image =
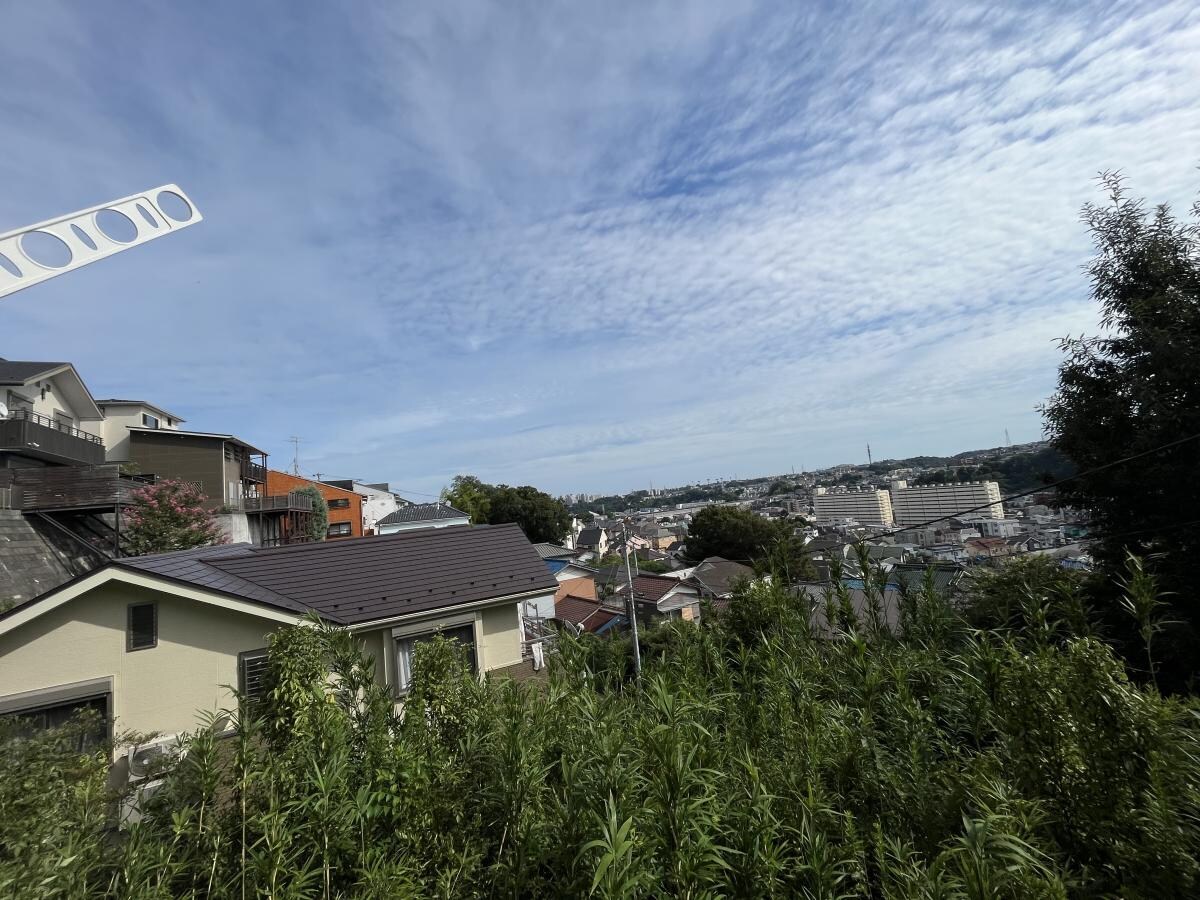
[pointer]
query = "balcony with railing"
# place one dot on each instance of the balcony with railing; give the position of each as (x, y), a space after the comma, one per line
(293, 502)
(64, 488)
(253, 471)
(41, 437)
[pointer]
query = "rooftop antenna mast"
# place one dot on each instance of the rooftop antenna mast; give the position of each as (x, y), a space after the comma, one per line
(295, 442)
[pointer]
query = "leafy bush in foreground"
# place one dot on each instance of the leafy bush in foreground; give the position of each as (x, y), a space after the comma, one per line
(755, 759)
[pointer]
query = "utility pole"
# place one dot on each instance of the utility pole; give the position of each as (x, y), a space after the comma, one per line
(632, 607)
(295, 442)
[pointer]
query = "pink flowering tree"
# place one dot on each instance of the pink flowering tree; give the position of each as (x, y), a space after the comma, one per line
(169, 515)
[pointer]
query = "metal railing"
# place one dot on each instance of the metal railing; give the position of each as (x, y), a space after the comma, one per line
(293, 501)
(28, 415)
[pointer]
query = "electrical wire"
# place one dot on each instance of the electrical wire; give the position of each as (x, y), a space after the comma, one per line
(1039, 489)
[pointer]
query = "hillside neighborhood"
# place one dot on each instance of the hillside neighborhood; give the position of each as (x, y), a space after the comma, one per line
(72, 466)
(618, 451)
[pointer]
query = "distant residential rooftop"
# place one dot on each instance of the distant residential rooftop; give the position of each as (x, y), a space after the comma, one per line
(423, 512)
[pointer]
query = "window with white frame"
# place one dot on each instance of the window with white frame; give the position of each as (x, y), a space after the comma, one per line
(463, 635)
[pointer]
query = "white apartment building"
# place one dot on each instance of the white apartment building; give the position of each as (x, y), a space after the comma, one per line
(864, 507)
(927, 502)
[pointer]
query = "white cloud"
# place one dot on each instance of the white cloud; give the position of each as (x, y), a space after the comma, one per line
(587, 246)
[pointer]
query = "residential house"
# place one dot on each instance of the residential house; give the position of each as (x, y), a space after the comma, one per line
(717, 577)
(557, 558)
(593, 538)
(122, 415)
(151, 641)
(422, 515)
(659, 596)
(224, 467)
(47, 417)
(378, 501)
(345, 506)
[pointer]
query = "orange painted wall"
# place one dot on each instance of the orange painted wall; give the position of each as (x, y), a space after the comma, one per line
(285, 483)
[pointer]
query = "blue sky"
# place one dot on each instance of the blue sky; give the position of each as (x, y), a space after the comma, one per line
(587, 246)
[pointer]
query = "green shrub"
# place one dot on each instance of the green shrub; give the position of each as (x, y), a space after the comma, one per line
(759, 756)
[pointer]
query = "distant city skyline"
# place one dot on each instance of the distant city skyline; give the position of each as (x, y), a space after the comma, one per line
(588, 247)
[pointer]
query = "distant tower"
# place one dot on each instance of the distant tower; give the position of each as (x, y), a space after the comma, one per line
(870, 462)
(1007, 439)
(295, 442)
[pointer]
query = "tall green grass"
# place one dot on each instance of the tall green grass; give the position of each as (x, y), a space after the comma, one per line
(767, 752)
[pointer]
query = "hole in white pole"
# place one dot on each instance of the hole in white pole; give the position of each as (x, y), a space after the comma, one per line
(147, 216)
(9, 266)
(45, 249)
(116, 225)
(84, 237)
(173, 206)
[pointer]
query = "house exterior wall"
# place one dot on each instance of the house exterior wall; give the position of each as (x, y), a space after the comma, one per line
(118, 419)
(376, 504)
(184, 457)
(163, 689)
(279, 483)
(160, 689)
(47, 403)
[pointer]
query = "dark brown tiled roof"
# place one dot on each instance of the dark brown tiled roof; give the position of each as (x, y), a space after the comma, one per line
(588, 615)
(365, 579)
(653, 587)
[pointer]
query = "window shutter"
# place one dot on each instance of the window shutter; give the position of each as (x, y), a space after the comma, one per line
(143, 626)
(252, 675)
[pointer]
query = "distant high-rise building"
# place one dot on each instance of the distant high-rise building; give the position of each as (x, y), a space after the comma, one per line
(865, 507)
(913, 505)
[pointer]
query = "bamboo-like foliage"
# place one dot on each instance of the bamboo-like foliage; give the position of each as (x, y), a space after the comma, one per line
(774, 750)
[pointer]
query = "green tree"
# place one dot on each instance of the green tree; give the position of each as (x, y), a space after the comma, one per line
(166, 516)
(541, 517)
(472, 496)
(731, 532)
(1133, 389)
(318, 523)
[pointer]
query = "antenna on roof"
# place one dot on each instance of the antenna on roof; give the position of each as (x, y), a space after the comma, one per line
(295, 442)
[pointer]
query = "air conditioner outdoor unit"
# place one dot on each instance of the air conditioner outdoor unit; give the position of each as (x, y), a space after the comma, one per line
(147, 763)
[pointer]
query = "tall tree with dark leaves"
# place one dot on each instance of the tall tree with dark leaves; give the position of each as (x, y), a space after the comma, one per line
(1134, 388)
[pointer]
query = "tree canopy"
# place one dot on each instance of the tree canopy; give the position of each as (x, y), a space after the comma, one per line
(541, 517)
(729, 531)
(166, 516)
(1134, 389)
(318, 523)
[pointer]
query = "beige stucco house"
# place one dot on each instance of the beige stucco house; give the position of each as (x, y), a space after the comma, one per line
(153, 641)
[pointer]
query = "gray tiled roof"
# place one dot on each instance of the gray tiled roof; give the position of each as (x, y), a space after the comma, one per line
(588, 537)
(719, 575)
(553, 551)
(423, 512)
(19, 371)
(366, 579)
